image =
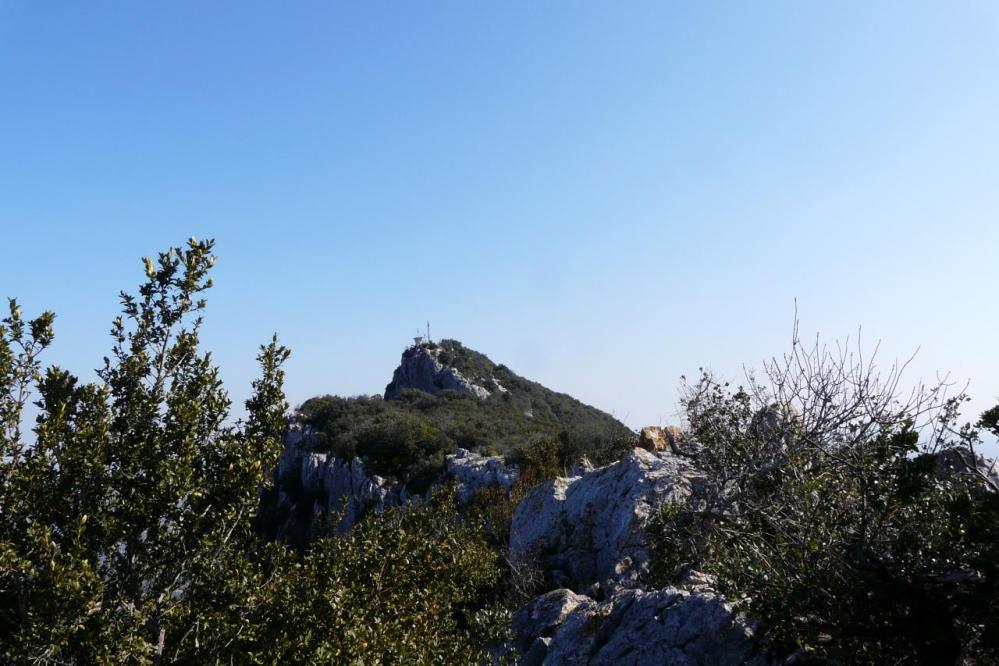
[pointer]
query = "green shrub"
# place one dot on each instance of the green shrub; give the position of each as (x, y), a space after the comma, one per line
(821, 505)
(405, 586)
(127, 531)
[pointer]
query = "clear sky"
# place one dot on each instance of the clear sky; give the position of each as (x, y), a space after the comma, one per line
(603, 196)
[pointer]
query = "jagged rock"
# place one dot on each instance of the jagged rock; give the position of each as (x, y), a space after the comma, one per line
(334, 487)
(536, 623)
(348, 489)
(422, 369)
(581, 467)
(473, 471)
(591, 529)
(981, 471)
(634, 627)
(654, 438)
(295, 437)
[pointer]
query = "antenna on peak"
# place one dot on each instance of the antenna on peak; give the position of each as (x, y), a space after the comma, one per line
(422, 336)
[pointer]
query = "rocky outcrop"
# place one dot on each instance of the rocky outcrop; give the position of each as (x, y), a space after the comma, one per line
(588, 535)
(654, 438)
(339, 489)
(976, 468)
(296, 440)
(344, 491)
(588, 532)
(473, 471)
(336, 489)
(634, 627)
(422, 369)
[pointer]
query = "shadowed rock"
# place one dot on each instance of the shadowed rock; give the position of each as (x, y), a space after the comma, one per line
(636, 628)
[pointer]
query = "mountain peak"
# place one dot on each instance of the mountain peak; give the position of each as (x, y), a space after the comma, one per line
(449, 366)
(446, 366)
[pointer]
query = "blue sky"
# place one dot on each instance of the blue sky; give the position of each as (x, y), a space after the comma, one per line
(603, 196)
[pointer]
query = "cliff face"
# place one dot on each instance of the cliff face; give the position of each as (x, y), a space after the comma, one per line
(314, 485)
(588, 532)
(422, 368)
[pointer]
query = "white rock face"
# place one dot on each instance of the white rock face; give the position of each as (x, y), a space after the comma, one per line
(422, 369)
(294, 439)
(340, 487)
(473, 471)
(337, 487)
(347, 489)
(634, 627)
(591, 529)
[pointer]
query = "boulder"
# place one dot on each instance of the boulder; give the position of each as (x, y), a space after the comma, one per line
(654, 438)
(635, 627)
(590, 530)
(473, 471)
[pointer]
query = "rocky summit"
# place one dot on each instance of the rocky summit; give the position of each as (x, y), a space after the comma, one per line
(423, 369)
(584, 534)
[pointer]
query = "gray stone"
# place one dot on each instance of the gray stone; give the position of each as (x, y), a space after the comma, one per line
(335, 487)
(635, 627)
(473, 471)
(591, 529)
(422, 369)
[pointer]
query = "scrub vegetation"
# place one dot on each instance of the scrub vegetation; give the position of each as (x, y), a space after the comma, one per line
(858, 526)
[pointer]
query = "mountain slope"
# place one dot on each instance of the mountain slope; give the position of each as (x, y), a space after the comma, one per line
(446, 396)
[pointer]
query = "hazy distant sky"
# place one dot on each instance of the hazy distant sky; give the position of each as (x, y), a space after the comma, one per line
(603, 196)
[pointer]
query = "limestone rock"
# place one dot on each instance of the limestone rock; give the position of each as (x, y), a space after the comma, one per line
(332, 487)
(634, 627)
(295, 438)
(581, 467)
(422, 369)
(348, 490)
(653, 438)
(473, 471)
(981, 471)
(590, 529)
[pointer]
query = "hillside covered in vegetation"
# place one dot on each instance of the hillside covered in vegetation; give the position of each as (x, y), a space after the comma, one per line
(818, 516)
(407, 436)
